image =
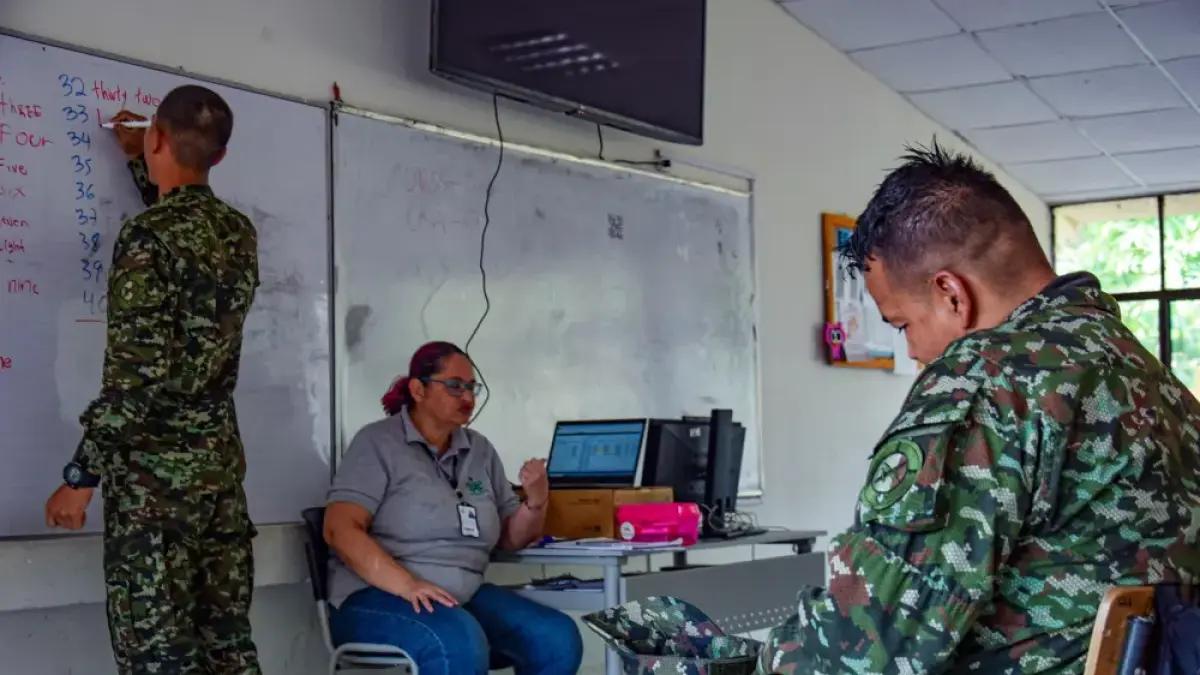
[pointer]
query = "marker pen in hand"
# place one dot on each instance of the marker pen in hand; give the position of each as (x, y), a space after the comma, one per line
(130, 124)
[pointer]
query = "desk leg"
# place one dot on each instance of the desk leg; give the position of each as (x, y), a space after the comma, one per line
(612, 598)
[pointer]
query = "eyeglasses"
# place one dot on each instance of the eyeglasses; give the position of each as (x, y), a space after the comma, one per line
(456, 387)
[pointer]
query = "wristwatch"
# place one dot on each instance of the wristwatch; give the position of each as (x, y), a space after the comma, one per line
(75, 476)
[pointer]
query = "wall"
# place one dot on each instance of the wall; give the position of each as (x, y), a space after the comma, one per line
(815, 132)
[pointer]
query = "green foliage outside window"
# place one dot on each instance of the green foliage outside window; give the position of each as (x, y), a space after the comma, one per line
(1119, 243)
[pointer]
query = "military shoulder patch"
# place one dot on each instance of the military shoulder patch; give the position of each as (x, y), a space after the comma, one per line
(904, 488)
(893, 472)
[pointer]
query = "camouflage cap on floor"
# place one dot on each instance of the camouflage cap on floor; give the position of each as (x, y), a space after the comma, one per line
(668, 635)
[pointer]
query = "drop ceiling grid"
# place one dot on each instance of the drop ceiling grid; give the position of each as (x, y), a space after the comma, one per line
(1090, 89)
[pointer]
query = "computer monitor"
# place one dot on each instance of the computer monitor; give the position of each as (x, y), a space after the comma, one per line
(701, 459)
(725, 441)
(676, 456)
(596, 453)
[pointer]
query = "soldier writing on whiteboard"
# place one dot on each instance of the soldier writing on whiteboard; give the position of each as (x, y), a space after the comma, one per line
(163, 435)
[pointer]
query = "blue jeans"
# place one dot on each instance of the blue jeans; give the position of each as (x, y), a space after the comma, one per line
(496, 627)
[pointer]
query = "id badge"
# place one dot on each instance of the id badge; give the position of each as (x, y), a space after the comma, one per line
(468, 523)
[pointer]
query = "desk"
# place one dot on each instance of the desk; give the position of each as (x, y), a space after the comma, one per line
(740, 597)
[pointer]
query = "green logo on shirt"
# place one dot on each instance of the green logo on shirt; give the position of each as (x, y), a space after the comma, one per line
(892, 473)
(474, 487)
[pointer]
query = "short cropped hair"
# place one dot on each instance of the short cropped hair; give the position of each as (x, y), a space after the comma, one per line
(937, 210)
(198, 122)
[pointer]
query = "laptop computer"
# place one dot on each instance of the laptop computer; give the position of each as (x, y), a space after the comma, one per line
(596, 453)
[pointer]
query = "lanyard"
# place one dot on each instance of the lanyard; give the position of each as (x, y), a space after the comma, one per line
(451, 478)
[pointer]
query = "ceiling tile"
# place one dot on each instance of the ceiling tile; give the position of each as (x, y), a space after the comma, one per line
(1070, 175)
(1073, 44)
(976, 15)
(1165, 166)
(1031, 142)
(872, 23)
(1108, 92)
(1168, 29)
(940, 63)
(1187, 73)
(989, 105)
(1159, 130)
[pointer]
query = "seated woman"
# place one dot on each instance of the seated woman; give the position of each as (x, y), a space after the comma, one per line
(417, 506)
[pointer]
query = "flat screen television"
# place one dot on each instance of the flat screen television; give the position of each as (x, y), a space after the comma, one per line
(637, 65)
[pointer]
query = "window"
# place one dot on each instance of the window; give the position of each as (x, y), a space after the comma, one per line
(1146, 253)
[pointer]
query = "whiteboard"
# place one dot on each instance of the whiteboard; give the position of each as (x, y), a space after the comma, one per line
(62, 202)
(615, 294)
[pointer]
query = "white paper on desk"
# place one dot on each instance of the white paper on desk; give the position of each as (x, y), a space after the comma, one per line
(600, 544)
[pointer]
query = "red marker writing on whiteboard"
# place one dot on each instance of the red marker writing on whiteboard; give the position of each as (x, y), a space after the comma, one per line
(128, 124)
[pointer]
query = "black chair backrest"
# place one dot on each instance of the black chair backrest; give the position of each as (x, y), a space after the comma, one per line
(316, 551)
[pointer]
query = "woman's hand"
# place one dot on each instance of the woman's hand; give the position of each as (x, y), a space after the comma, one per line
(536, 484)
(424, 594)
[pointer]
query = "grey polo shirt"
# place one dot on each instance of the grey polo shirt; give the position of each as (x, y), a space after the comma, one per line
(391, 471)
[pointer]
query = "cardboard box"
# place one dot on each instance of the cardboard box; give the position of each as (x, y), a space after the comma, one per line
(582, 513)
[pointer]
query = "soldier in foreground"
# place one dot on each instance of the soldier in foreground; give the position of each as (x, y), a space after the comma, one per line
(1042, 456)
(163, 435)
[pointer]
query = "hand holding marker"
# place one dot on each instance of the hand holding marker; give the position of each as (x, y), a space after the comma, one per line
(130, 129)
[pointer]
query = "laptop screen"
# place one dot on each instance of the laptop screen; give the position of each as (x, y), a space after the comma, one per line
(596, 452)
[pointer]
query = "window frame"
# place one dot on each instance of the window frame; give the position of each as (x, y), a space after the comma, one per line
(1163, 295)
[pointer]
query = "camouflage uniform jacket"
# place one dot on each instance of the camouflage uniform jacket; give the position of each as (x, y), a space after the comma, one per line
(182, 279)
(1033, 466)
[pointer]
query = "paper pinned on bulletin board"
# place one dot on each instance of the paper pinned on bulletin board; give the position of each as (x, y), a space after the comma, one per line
(904, 364)
(856, 335)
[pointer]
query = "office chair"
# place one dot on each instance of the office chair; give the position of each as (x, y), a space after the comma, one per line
(360, 655)
(1108, 634)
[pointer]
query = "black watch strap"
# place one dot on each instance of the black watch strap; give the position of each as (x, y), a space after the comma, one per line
(75, 476)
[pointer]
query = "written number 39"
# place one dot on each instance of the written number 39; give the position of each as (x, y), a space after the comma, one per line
(92, 269)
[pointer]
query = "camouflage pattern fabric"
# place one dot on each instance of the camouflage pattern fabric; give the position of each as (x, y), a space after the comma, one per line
(163, 436)
(667, 635)
(179, 575)
(141, 180)
(1032, 467)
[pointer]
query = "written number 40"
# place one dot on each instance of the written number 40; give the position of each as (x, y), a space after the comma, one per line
(95, 304)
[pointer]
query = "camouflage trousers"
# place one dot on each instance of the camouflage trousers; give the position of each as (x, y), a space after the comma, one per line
(179, 574)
